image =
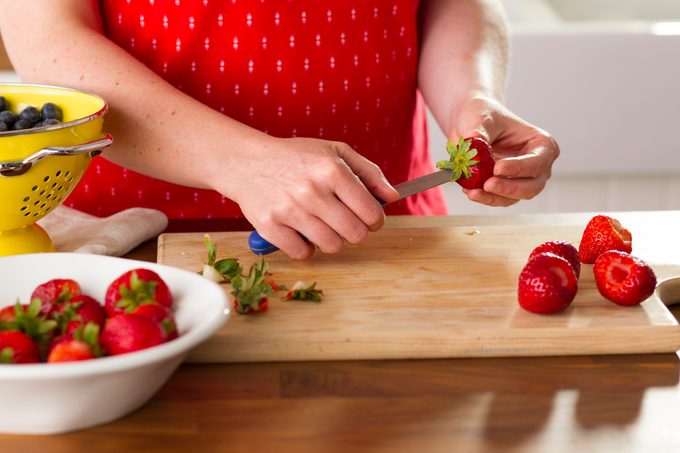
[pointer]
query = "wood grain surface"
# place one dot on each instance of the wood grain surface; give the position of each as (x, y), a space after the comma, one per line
(426, 292)
(617, 403)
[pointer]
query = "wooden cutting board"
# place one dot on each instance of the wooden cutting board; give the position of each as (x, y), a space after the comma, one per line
(426, 293)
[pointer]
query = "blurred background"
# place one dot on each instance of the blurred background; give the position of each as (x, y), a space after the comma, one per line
(603, 77)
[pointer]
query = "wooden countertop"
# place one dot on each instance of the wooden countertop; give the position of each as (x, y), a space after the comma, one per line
(588, 403)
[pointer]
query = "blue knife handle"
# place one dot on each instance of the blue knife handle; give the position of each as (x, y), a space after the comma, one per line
(260, 246)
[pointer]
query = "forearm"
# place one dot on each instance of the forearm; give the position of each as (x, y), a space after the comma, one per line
(463, 54)
(158, 130)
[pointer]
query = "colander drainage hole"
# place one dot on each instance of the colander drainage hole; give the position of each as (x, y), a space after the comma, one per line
(34, 188)
(26, 199)
(58, 173)
(46, 178)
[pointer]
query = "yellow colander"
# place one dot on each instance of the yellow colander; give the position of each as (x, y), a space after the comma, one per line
(40, 167)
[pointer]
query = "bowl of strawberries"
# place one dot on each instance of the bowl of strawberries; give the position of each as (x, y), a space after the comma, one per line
(86, 339)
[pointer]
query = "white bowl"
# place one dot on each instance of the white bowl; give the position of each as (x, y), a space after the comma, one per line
(60, 397)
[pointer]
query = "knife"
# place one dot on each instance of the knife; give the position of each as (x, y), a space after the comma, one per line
(260, 246)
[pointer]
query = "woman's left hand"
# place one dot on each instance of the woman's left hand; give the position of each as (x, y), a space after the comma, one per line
(524, 153)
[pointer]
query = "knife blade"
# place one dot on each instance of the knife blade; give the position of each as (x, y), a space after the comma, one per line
(260, 246)
(420, 184)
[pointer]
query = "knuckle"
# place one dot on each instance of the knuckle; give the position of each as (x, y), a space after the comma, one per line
(332, 245)
(375, 216)
(357, 235)
(305, 189)
(300, 253)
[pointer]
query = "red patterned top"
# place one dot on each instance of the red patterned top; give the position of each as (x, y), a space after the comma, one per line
(341, 71)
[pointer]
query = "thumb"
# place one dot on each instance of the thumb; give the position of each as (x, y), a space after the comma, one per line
(369, 174)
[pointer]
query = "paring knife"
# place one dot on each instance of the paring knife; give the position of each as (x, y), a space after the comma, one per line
(260, 246)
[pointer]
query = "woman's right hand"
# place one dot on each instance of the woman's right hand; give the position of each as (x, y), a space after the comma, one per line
(322, 190)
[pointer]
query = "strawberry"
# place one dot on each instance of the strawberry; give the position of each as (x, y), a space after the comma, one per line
(17, 347)
(55, 292)
(27, 319)
(623, 278)
(81, 344)
(547, 284)
(8, 313)
(79, 311)
(136, 287)
(161, 315)
(601, 234)
(250, 292)
(128, 333)
(471, 161)
(563, 249)
(302, 291)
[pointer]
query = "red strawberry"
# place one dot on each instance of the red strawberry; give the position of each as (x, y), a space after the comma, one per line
(79, 311)
(27, 319)
(161, 315)
(601, 234)
(547, 284)
(471, 160)
(622, 278)
(8, 313)
(136, 287)
(563, 249)
(128, 333)
(17, 347)
(81, 344)
(55, 292)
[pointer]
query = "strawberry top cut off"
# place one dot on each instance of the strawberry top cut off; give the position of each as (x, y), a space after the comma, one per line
(602, 234)
(623, 278)
(471, 162)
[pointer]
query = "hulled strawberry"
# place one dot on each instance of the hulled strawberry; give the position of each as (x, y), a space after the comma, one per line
(623, 278)
(128, 333)
(81, 344)
(547, 284)
(471, 161)
(603, 233)
(79, 311)
(54, 293)
(17, 347)
(136, 287)
(563, 249)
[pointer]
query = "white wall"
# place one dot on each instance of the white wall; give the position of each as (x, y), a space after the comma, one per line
(610, 94)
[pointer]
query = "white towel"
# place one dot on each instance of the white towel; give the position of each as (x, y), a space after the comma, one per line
(76, 231)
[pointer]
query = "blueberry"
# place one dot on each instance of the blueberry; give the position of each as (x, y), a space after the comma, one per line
(23, 124)
(50, 122)
(3, 126)
(3, 104)
(31, 114)
(51, 111)
(8, 117)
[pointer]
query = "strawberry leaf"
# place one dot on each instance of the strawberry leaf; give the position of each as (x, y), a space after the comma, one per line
(251, 291)
(212, 249)
(301, 292)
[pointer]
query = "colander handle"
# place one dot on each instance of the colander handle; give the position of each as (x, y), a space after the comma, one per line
(92, 148)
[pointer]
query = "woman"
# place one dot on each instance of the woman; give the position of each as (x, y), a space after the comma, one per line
(294, 114)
